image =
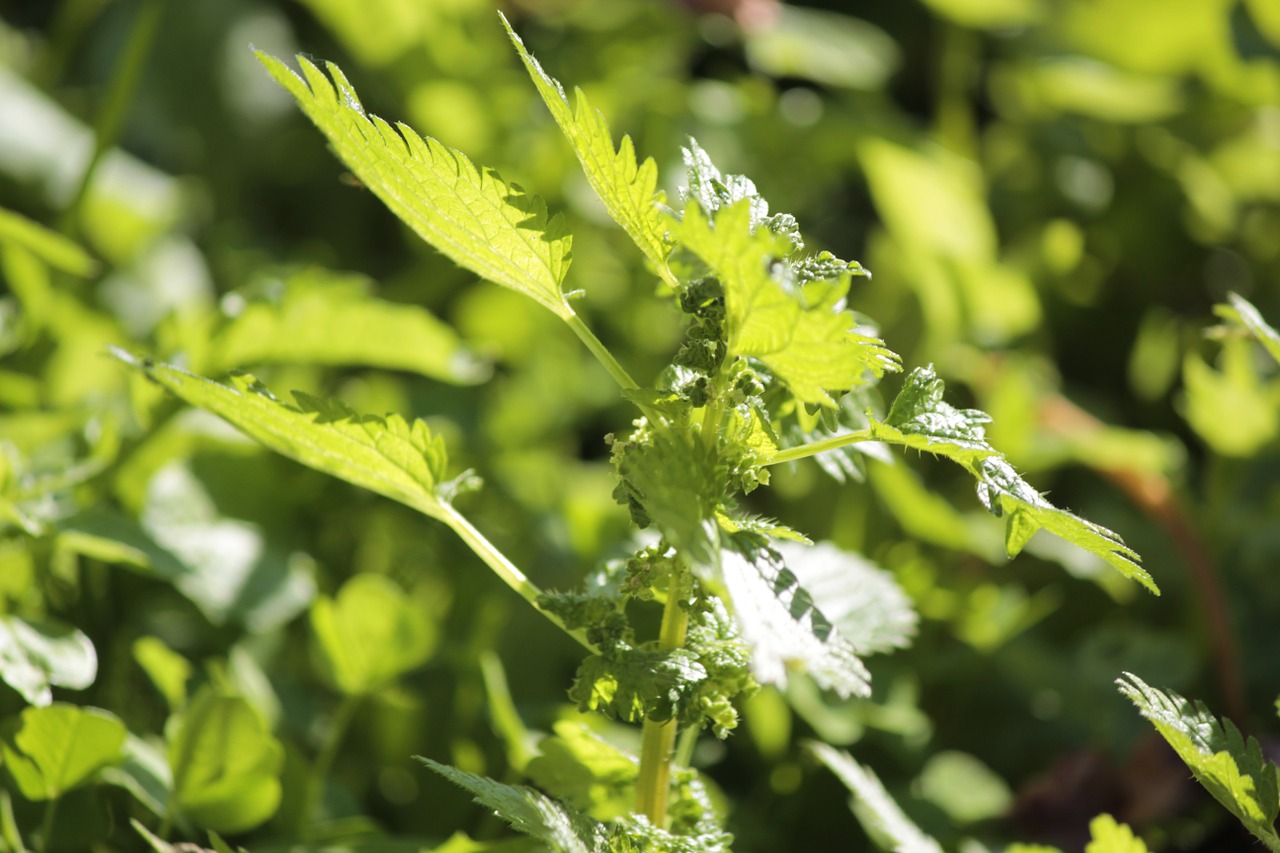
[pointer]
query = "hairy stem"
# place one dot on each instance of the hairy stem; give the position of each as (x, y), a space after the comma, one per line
(601, 353)
(504, 568)
(658, 740)
(813, 448)
(328, 752)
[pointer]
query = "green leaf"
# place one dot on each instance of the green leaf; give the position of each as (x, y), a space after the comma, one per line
(389, 456)
(49, 246)
(1112, 837)
(578, 766)
(1234, 410)
(1241, 312)
(370, 634)
(919, 419)
(635, 684)
(561, 827)
(963, 787)
(800, 334)
(226, 764)
(629, 191)
(490, 227)
(779, 622)
(51, 750)
(168, 670)
(861, 599)
(36, 656)
(144, 773)
(332, 319)
(879, 815)
(1232, 769)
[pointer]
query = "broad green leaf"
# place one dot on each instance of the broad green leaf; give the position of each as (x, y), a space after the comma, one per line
(51, 750)
(1112, 837)
(226, 764)
(168, 670)
(370, 634)
(629, 191)
(964, 788)
(861, 599)
(780, 623)
(37, 656)
(143, 772)
(562, 828)
(879, 815)
(1241, 312)
(578, 766)
(800, 334)
(47, 245)
(1234, 410)
(1232, 769)
(920, 419)
(332, 319)
(389, 456)
(480, 222)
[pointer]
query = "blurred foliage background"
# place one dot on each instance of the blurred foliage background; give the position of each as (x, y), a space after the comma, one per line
(1051, 195)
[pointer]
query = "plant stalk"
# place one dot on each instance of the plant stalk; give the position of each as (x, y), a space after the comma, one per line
(46, 825)
(813, 448)
(602, 354)
(504, 568)
(658, 741)
(328, 752)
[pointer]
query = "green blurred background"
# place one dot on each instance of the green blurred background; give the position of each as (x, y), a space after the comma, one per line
(1051, 196)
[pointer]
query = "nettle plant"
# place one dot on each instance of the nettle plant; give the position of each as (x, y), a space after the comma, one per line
(775, 367)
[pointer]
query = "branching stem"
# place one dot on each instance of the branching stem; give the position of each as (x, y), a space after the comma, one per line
(813, 448)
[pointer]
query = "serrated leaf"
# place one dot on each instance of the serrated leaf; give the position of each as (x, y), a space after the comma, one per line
(629, 191)
(51, 750)
(879, 815)
(561, 827)
(780, 623)
(713, 190)
(37, 656)
(803, 337)
(863, 600)
(635, 684)
(920, 419)
(332, 319)
(225, 763)
(1112, 837)
(1230, 768)
(370, 634)
(490, 227)
(386, 455)
(578, 766)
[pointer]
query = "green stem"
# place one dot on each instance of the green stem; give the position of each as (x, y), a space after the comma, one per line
(598, 349)
(116, 104)
(658, 741)
(503, 568)
(813, 448)
(46, 826)
(8, 826)
(328, 752)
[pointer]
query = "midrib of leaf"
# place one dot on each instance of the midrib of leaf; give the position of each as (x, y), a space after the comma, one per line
(470, 214)
(626, 188)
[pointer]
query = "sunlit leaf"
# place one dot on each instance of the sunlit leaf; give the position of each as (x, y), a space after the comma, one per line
(37, 656)
(51, 750)
(1112, 837)
(1241, 313)
(168, 670)
(1230, 767)
(490, 227)
(629, 191)
(49, 246)
(388, 455)
(370, 634)
(225, 763)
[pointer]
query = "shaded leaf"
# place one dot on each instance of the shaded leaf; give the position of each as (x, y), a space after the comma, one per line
(225, 763)
(879, 815)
